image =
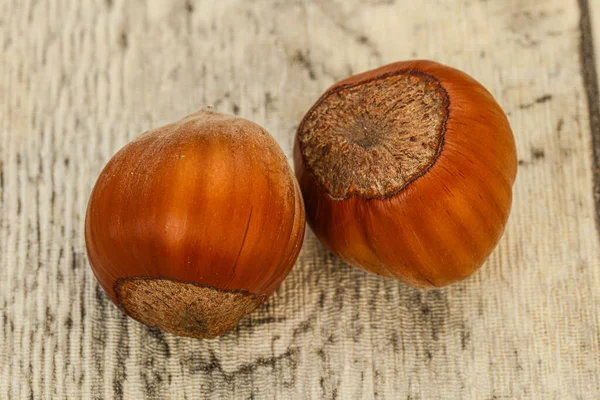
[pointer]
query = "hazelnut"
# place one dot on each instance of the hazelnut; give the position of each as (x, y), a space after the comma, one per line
(193, 225)
(407, 172)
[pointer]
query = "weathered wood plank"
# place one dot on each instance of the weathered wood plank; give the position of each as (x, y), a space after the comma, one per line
(589, 72)
(78, 79)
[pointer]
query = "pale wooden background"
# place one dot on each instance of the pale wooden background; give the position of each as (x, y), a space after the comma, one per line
(79, 79)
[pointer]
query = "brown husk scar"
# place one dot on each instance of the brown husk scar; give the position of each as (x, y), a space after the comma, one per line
(374, 137)
(182, 308)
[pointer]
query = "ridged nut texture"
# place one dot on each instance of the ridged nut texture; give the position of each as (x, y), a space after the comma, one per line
(407, 172)
(193, 225)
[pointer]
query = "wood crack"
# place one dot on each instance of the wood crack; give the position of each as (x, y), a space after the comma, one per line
(590, 83)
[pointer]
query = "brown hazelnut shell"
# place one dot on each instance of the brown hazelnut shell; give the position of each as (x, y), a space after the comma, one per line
(193, 225)
(440, 227)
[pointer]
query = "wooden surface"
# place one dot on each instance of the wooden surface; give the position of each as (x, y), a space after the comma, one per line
(79, 79)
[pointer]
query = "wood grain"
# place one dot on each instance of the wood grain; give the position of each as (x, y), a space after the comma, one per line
(79, 79)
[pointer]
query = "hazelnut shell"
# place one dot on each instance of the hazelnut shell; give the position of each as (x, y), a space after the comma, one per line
(193, 225)
(435, 226)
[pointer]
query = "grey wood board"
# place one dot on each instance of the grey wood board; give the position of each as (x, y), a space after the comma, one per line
(79, 79)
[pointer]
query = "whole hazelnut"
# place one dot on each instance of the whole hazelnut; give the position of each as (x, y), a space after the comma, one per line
(193, 225)
(407, 172)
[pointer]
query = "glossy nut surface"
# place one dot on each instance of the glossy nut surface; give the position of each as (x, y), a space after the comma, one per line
(407, 172)
(193, 225)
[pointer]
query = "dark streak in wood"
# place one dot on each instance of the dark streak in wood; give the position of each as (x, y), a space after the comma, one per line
(30, 372)
(338, 297)
(98, 344)
(544, 98)
(334, 394)
(362, 39)
(154, 360)
(159, 337)
(124, 40)
(365, 41)
(120, 375)
(269, 102)
(69, 328)
(304, 327)
(38, 230)
(357, 328)
(321, 300)
(82, 312)
(559, 125)
(539, 100)
(590, 82)
(465, 337)
(189, 7)
(304, 60)
(74, 257)
(538, 154)
(394, 342)
(287, 359)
